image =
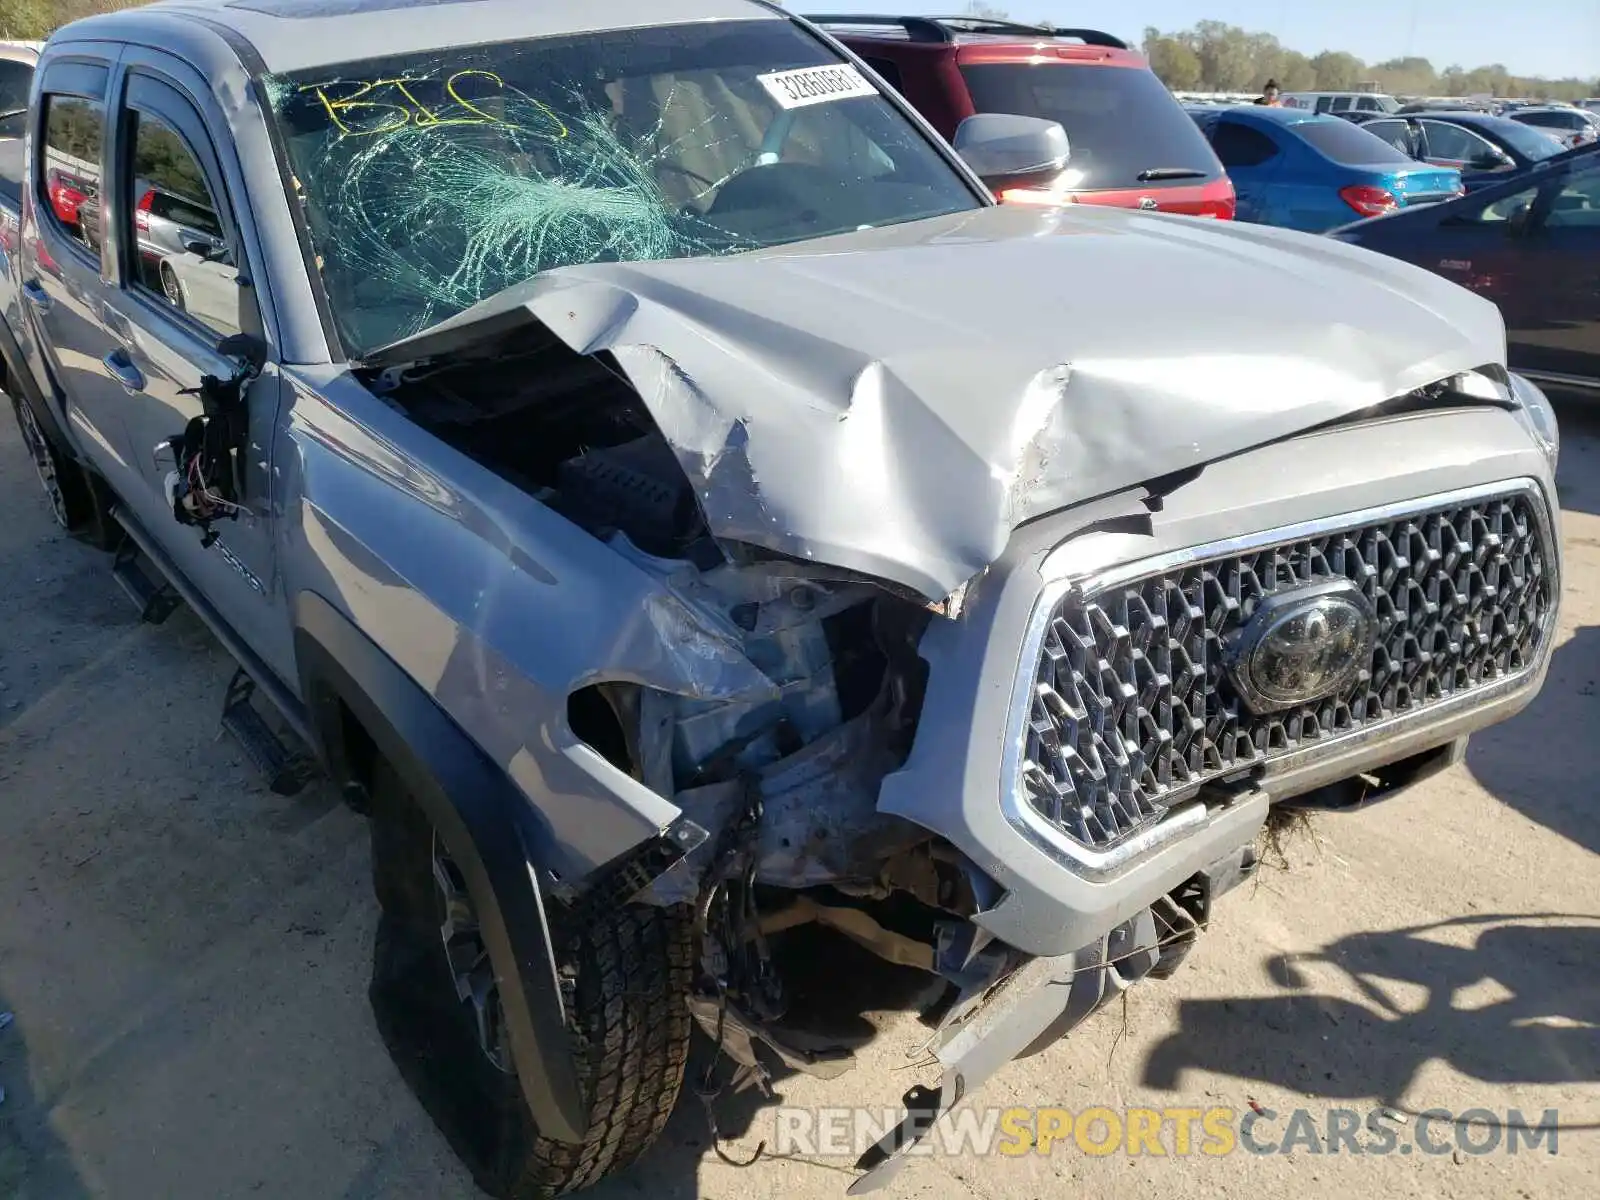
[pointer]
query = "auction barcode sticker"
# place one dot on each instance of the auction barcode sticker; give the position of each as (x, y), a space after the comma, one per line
(815, 85)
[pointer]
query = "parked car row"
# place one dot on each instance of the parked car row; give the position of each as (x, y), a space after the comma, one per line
(1297, 169)
(1572, 127)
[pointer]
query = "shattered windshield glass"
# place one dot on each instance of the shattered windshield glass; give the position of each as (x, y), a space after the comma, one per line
(431, 181)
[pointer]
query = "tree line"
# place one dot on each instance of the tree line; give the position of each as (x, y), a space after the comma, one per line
(27, 20)
(1214, 56)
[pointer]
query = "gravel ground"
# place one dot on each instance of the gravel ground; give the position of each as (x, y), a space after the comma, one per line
(186, 954)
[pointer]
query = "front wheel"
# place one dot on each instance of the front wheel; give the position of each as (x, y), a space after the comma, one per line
(625, 980)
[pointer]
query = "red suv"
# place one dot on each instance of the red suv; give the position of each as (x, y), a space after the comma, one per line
(1132, 144)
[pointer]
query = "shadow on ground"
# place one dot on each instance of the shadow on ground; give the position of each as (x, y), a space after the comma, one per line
(34, 1163)
(1530, 1018)
(1544, 764)
(1578, 481)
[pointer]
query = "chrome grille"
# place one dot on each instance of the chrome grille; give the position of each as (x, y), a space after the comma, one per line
(1132, 703)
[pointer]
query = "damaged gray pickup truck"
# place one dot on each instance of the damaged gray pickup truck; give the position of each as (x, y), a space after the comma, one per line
(696, 524)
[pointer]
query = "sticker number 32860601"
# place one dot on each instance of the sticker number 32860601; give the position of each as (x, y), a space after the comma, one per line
(815, 85)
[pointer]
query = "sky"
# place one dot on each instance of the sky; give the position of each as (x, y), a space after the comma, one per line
(1550, 38)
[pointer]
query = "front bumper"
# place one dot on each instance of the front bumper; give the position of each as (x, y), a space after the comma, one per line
(1043, 1000)
(1052, 900)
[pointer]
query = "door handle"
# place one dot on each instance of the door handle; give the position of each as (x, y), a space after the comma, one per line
(124, 372)
(37, 296)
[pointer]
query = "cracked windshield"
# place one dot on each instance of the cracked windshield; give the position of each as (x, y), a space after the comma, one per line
(430, 182)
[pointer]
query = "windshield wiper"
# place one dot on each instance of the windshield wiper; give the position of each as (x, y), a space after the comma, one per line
(1155, 173)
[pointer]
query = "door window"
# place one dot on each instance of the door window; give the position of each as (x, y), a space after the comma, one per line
(1456, 144)
(181, 254)
(69, 179)
(1505, 208)
(1240, 146)
(15, 80)
(1551, 120)
(889, 70)
(1576, 205)
(1396, 133)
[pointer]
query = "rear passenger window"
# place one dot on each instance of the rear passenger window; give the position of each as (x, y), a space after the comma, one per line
(15, 80)
(181, 253)
(69, 181)
(1239, 146)
(1396, 133)
(889, 71)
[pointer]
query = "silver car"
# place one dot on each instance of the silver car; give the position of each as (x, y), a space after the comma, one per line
(728, 556)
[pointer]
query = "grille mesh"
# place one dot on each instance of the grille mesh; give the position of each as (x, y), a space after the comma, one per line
(1132, 700)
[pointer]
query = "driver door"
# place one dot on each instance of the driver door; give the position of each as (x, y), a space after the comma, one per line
(179, 243)
(1554, 326)
(1533, 250)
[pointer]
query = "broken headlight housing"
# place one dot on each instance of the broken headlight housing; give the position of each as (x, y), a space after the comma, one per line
(1538, 415)
(1526, 399)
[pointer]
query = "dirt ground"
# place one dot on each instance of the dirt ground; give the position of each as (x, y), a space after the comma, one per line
(186, 954)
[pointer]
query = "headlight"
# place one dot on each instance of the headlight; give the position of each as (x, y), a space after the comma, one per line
(1539, 416)
(1532, 407)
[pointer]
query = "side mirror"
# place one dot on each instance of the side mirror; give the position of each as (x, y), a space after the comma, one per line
(202, 246)
(1009, 150)
(1520, 221)
(1490, 161)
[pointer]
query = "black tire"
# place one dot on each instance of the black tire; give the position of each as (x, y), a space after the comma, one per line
(78, 501)
(171, 288)
(626, 981)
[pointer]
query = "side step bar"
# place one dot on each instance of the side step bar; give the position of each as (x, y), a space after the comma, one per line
(286, 771)
(154, 598)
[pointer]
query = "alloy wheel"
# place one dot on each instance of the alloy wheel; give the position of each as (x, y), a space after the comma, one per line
(468, 959)
(170, 288)
(44, 463)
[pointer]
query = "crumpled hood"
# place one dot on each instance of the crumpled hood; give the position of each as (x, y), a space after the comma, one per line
(895, 401)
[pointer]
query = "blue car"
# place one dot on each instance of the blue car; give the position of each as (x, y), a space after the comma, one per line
(1315, 173)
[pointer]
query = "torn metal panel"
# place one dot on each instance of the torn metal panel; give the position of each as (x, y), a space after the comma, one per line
(820, 819)
(820, 823)
(840, 400)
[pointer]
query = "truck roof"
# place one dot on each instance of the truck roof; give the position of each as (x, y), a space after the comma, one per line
(293, 35)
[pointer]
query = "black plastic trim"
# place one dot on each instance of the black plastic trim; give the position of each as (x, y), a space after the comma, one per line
(918, 29)
(473, 805)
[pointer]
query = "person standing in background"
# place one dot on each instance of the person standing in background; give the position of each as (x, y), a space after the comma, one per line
(1269, 95)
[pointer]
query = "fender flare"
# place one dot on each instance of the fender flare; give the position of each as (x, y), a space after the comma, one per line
(474, 807)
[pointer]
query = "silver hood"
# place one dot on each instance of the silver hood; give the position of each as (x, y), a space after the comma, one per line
(896, 401)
